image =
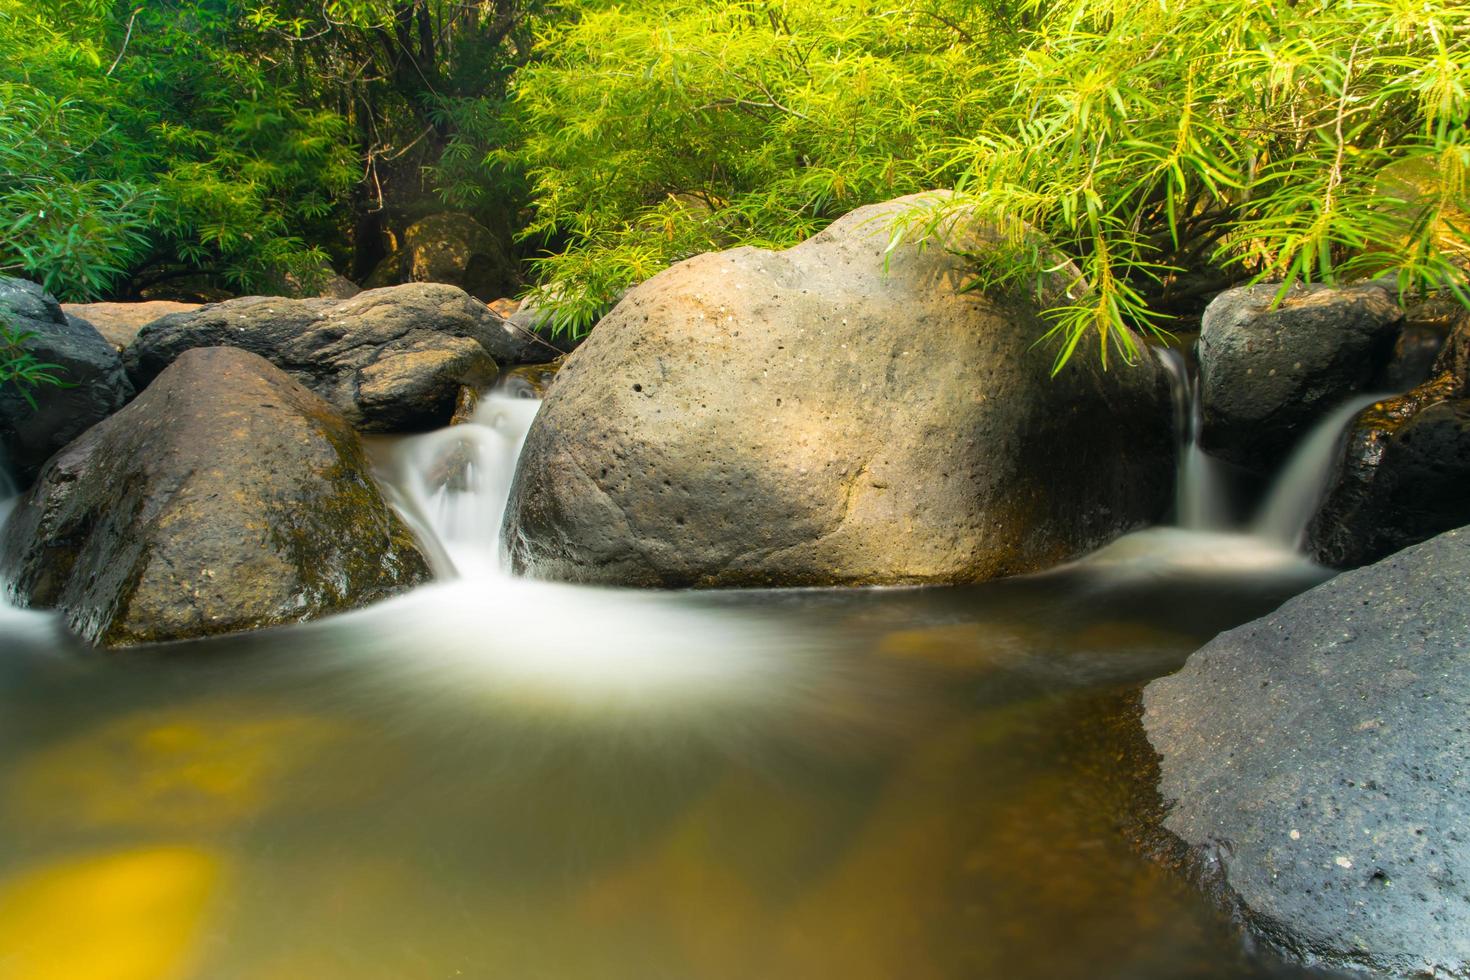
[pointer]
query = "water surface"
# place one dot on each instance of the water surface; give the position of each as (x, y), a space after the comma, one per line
(491, 778)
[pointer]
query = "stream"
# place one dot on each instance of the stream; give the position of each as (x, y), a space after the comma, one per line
(499, 778)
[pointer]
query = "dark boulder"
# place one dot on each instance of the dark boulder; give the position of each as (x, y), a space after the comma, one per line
(449, 248)
(832, 414)
(226, 497)
(1316, 758)
(1267, 374)
(88, 364)
(1404, 472)
(391, 360)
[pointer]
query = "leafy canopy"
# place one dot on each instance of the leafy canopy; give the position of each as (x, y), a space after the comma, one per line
(156, 138)
(1168, 148)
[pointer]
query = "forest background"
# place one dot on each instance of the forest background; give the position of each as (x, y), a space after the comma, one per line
(1168, 148)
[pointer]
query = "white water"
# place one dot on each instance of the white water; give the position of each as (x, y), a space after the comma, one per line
(20, 624)
(1202, 494)
(1300, 488)
(453, 485)
(597, 652)
(1200, 498)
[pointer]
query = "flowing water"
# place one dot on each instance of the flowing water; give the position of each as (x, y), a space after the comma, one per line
(495, 778)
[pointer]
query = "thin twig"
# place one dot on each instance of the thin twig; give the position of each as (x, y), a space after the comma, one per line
(128, 37)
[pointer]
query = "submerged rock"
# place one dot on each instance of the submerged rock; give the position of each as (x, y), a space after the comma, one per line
(95, 383)
(1404, 469)
(1266, 375)
(1316, 758)
(449, 248)
(226, 497)
(832, 414)
(391, 360)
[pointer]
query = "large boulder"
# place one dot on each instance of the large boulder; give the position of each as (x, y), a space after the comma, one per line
(449, 248)
(119, 323)
(391, 360)
(226, 497)
(95, 385)
(834, 413)
(1269, 371)
(1404, 470)
(1316, 759)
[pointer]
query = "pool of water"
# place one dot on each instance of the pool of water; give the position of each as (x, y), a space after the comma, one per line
(499, 779)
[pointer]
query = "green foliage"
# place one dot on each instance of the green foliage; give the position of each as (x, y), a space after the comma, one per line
(20, 367)
(236, 139)
(661, 129)
(152, 139)
(1165, 148)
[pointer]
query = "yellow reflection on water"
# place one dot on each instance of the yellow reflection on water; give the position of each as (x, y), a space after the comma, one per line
(202, 767)
(123, 915)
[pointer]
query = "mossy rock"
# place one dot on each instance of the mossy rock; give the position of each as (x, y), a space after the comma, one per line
(226, 497)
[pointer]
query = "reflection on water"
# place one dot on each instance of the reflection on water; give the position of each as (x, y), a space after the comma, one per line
(907, 783)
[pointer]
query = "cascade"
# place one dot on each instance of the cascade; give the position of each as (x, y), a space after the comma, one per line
(1298, 490)
(1202, 495)
(453, 484)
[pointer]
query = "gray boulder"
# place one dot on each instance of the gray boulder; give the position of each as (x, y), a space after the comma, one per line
(96, 385)
(226, 497)
(391, 360)
(1404, 469)
(1316, 759)
(1266, 375)
(832, 414)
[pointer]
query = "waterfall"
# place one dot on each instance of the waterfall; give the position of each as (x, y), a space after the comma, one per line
(1201, 493)
(1201, 502)
(1298, 491)
(453, 484)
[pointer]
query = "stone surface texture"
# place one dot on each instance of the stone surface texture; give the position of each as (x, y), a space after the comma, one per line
(391, 360)
(832, 414)
(95, 383)
(449, 248)
(119, 323)
(226, 497)
(1317, 758)
(1267, 374)
(1403, 473)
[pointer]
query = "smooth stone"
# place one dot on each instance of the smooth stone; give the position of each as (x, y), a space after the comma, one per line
(833, 414)
(95, 384)
(390, 360)
(1267, 372)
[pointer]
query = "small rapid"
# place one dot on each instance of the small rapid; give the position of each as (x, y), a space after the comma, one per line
(1202, 494)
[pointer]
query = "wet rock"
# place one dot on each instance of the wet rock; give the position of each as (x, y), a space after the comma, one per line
(530, 380)
(831, 414)
(1404, 469)
(1266, 375)
(119, 323)
(1316, 758)
(1427, 326)
(226, 497)
(391, 360)
(449, 248)
(96, 384)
